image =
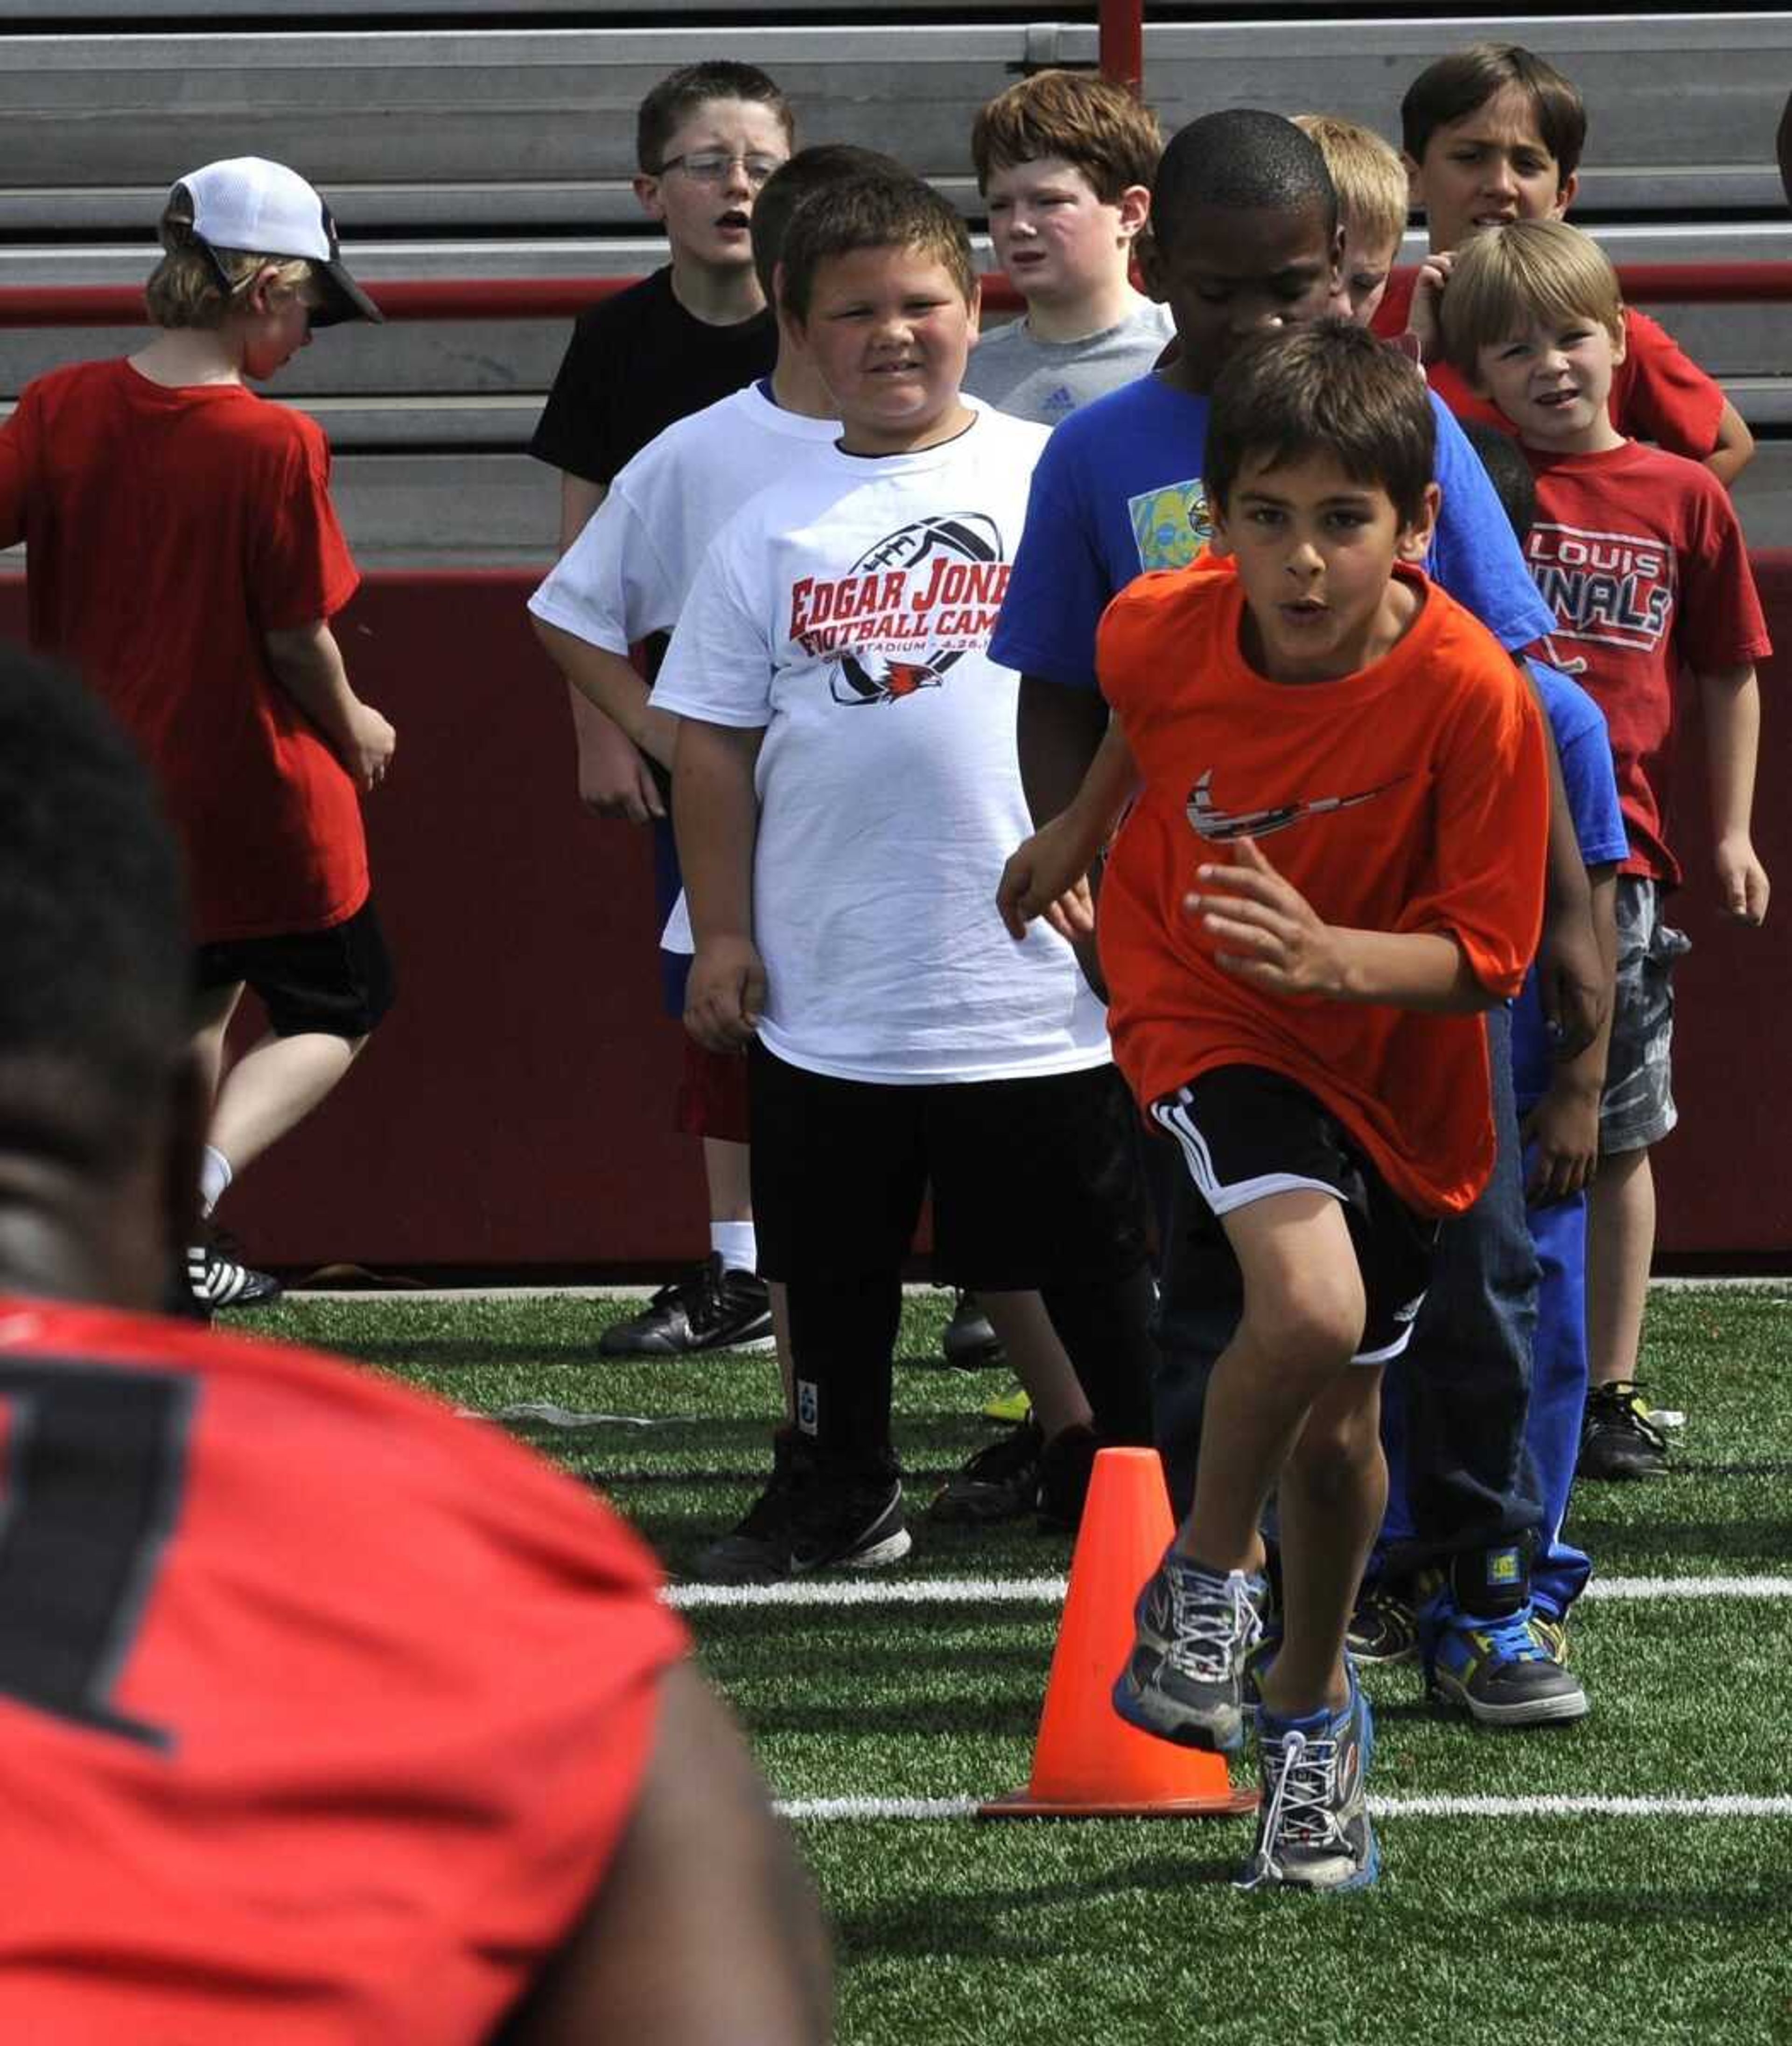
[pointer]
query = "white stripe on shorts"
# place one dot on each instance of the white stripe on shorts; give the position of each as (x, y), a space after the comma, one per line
(1175, 1117)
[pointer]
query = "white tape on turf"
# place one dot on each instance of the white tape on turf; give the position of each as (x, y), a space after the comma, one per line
(824, 1808)
(1050, 1590)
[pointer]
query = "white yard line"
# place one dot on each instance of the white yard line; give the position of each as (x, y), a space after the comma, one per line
(397, 1291)
(1383, 1808)
(1050, 1591)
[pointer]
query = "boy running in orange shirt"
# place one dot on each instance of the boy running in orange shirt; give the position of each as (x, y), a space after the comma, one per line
(1307, 1031)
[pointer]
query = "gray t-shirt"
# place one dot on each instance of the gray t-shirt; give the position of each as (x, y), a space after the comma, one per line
(1046, 381)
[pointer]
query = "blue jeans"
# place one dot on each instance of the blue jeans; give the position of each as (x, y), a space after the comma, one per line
(1465, 1376)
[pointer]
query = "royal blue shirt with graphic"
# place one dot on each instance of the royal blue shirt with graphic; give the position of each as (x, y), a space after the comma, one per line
(1584, 749)
(1119, 490)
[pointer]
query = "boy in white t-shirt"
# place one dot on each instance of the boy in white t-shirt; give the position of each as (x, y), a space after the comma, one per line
(1065, 161)
(845, 784)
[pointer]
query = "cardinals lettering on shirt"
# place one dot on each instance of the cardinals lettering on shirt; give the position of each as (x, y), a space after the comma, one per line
(1616, 588)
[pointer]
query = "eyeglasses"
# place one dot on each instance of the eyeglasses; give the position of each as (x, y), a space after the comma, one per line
(711, 167)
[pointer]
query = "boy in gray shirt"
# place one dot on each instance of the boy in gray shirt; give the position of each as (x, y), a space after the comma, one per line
(1065, 161)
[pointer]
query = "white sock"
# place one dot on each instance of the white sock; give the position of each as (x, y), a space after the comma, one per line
(214, 1177)
(735, 1244)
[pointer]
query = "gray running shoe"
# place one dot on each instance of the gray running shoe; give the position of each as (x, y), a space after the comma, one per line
(1183, 1681)
(1312, 1828)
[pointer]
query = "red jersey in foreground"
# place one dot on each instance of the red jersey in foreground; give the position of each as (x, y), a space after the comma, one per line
(1412, 796)
(322, 1709)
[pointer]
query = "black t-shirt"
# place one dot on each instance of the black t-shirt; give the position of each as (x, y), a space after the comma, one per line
(636, 363)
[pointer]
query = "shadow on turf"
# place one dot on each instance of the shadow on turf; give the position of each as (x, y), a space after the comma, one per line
(985, 1921)
(1635, 1907)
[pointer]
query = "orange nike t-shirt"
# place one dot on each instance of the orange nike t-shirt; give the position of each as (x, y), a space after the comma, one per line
(1411, 796)
(321, 1708)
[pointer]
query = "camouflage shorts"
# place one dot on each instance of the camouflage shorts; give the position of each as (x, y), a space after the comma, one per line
(1637, 1107)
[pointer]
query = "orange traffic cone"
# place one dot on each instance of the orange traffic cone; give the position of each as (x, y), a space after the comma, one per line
(1088, 1763)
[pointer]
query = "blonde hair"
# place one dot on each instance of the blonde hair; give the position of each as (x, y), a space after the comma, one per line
(1370, 178)
(1504, 279)
(186, 289)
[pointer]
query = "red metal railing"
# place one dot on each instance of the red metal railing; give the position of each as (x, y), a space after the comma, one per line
(561, 298)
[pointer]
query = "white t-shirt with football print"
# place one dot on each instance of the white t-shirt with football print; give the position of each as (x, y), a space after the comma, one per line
(845, 611)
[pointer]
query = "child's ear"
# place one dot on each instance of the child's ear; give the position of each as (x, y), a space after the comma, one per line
(974, 310)
(1135, 212)
(1415, 540)
(647, 195)
(1337, 261)
(1565, 195)
(1415, 181)
(1219, 539)
(260, 296)
(1620, 339)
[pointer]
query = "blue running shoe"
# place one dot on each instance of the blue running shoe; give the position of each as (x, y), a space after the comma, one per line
(1183, 1681)
(1500, 1671)
(1313, 1830)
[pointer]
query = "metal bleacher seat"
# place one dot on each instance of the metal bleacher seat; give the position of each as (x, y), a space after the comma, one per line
(478, 150)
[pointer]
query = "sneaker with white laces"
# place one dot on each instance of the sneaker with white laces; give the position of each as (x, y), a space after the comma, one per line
(215, 1279)
(1313, 1830)
(1183, 1680)
(711, 1307)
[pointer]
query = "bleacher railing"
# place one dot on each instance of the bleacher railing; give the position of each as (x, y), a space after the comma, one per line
(562, 298)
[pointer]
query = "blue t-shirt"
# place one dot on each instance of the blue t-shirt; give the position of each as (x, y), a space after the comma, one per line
(1584, 749)
(1119, 490)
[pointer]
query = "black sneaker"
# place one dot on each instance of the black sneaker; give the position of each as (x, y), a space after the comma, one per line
(1066, 1464)
(217, 1279)
(969, 1342)
(815, 1515)
(1619, 1438)
(1501, 1672)
(711, 1307)
(999, 1483)
(1384, 1625)
(753, 1551)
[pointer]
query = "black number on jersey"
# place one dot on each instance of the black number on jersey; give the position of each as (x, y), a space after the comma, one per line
(95, 1467)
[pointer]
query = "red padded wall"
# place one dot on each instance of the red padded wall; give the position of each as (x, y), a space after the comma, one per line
(514, 1111)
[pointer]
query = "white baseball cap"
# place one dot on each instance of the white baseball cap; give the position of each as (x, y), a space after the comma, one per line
(260, 208)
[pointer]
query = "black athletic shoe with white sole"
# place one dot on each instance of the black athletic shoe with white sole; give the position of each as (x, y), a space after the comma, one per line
(711, 1307)
(817, 1514)
(215, 1281)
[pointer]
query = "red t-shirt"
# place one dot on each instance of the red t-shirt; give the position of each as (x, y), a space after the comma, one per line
(1658, 393)
(167, 530)
(322, 1709)
(1411, 796)
(1640, 556)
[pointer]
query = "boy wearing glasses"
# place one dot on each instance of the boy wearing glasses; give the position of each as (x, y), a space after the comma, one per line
(706, 140)
(184, 557)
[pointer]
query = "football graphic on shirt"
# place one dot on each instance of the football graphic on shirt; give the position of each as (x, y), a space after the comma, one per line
(1221, 826)
(907, 610)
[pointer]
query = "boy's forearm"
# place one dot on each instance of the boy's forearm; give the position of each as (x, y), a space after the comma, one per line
(1426, 969)
(611, 683)
(308, 664)
(1059, 732)
(715, 816)
(1105, 790)
(1735, 449)
(1731, 702)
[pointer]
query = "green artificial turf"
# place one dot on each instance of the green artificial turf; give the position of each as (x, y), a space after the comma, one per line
(1608, 1931)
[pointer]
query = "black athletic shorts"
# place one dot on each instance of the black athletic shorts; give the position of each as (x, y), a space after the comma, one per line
(1035, 1181)
(1246, 1133)
(338, 982)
